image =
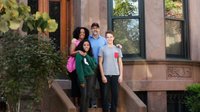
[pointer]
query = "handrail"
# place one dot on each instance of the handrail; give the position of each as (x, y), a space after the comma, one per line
(129, 101)
(63, 97)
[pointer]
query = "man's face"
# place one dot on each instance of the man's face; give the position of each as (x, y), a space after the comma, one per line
(95, 30)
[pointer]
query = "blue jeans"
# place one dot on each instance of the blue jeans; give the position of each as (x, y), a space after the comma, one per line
(112, 86)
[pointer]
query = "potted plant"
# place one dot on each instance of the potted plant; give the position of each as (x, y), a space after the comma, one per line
(28, 63)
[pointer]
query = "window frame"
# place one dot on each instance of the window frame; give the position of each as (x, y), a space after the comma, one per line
(184, 34)
(140, 17)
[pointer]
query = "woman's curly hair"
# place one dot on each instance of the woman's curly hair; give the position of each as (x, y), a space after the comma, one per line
(77, 31)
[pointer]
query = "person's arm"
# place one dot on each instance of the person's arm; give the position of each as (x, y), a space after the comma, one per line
(73, 47)
(73, 51)
(79, 69)
(119, 46)
(104, 79)
(120, 63)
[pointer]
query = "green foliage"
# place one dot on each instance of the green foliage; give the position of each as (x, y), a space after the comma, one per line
(124, 8)
(40, 22)
(193, 98)
(174, 8)
(169, 4)
(27, 64)
(127, 34)
(13, 15)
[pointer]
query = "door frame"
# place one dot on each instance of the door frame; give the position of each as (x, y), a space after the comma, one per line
(66, 21)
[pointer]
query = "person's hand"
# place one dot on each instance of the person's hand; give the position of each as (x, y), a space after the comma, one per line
(119, 46)
(104, 79)
(120, 79)
(82, 85)
(82, 53)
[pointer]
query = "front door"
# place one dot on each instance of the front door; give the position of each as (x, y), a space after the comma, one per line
(61, 11)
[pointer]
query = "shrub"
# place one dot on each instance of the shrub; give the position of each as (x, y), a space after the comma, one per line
(193, 98)
(27, 64)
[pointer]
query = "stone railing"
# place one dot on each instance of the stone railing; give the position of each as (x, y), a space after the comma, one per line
(56, 100)
(129, 101)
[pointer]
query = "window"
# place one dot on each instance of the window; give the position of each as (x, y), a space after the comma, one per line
(54, 12)
(176, 29)
(127, 21)
(175, 101)
(142, 95)
(34, 6)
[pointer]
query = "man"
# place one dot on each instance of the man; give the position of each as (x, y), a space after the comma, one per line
(97, 41)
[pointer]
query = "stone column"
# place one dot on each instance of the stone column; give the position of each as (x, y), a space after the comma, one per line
(194, 23)
(155, 50)
(154, 29)
(94, 11)
(157, 101)
(77, 12)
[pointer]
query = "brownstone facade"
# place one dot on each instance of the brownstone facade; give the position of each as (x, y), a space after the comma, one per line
(155, 74)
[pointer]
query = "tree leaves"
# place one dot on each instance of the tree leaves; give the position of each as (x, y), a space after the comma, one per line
(27, 64)
(13, 15)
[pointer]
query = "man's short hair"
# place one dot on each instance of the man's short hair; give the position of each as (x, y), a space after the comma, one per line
(95, 24)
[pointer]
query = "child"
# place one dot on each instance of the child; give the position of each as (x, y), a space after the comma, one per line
(85, 66)
(111, 68)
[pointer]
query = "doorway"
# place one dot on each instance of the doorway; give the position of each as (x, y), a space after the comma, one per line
(61, 11)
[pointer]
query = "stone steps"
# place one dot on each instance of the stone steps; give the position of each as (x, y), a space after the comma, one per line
(95, 110)
(92, 110)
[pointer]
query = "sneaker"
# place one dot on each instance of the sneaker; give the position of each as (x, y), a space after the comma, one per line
(109, 106)
(94, 106)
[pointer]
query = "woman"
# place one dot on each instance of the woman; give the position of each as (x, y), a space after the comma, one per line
(79, 34)
(111, 68)
(85, 66)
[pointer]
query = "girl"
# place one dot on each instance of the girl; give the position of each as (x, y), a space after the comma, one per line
(111, 68)
(85, 66)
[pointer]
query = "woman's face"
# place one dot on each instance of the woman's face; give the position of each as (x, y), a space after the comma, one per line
(82, 34)
(86, 46)
(110, 38)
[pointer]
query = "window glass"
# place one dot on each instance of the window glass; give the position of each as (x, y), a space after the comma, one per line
(125, 8)
(173, 37)
(34, 5)
(54, 12)
(127, 34)
(174, 8)
(176, 101)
